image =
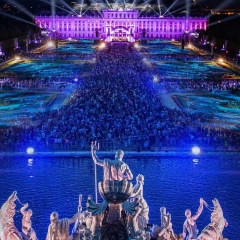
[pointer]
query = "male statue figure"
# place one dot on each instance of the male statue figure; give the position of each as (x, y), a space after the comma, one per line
(27, 230)
(58, 229)
(190, 226)
(113, 169)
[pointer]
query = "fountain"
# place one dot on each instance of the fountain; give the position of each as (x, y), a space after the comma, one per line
(123, 213)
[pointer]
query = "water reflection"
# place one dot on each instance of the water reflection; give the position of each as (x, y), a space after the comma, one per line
(175, 183)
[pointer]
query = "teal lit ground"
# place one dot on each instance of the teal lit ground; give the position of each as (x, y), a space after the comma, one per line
(45, 68)
(20, 105)
(17, 107)
(218, 108)
(189, 70)
(166, 47)
(74, 47)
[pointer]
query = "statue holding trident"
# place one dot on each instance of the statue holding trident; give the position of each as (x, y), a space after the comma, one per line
(111, 216)
(113, 169)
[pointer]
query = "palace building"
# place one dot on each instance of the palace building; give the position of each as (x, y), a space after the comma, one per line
(123, 25)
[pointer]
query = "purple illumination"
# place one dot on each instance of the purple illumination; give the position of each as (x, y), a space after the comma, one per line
(125, 25)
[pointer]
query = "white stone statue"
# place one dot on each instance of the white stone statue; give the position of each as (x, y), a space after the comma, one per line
(165, 232)
(214, 229)
(190, 226)
(58, 229)
(8, 230)
(27, 230)
(83, 230)
(113, 169)
(137, 222)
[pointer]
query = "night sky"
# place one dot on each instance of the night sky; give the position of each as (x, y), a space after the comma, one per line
(204, 3)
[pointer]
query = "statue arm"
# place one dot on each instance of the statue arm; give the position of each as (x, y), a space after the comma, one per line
(136, 190)
(162, 231)
(23, 208)
(169, 218)
(128, 173)
(184, 234)
(200, 209)
(74, 218)
(49, 233)
(94, 154)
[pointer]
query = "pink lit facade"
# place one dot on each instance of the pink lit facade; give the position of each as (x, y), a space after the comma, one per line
(124, 24)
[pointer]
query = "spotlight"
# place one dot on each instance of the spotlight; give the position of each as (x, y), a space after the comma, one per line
(30, 150)
(136, 45)
(220, 60)
(155, 78)
(102, 45)
(196, 150)
(50, 44)
(17, 58)
(189, 45)
(75, 79)
(173, 39)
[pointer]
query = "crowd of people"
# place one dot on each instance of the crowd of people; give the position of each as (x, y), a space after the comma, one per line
(118, 104)
(180, 57)
(36, 82)
(185, 85)
(58, 56)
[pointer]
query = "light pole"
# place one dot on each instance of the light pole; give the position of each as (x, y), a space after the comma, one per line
(212, 46)
(27, 40)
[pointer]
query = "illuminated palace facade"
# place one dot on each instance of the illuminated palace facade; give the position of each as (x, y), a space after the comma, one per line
(120, 25)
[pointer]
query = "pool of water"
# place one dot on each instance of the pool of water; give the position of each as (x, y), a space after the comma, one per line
(49, 184)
